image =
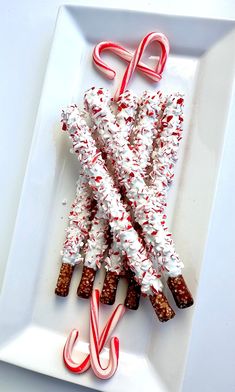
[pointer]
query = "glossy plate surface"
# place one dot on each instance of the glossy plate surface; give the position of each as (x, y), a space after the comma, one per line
(34, 322)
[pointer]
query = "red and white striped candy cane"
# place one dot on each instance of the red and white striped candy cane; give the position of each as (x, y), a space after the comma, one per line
(151, 37)
(124, 54)
(100, 372)
(72, 338)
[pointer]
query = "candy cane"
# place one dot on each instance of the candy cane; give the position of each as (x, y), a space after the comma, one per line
(72, 338)
(100, 372)
(151, 37)
(123, 54)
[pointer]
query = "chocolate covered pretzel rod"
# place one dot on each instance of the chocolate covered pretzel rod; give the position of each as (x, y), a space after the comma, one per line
(106, 194)
(148, 211)
(165, 156)
(77, 233)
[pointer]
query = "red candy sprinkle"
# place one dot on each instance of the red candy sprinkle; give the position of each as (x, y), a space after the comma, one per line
(180, 101)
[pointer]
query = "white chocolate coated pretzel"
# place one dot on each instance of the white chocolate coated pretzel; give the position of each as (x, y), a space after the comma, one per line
(106, 194)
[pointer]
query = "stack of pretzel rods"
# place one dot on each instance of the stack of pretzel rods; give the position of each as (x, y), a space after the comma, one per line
(109, 198)
(141, 144)
(99, 241)
(97, 236)
(147, 209)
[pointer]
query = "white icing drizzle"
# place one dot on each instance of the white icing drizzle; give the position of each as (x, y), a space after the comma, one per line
(107, 195)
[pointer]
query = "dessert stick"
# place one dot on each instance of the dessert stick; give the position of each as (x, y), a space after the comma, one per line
(142, 141)
(164, 159)
(107, 195)
(95, 248)
(97, 241)
(77, 233)
(150, 111)
(148, 211)
(127, 106)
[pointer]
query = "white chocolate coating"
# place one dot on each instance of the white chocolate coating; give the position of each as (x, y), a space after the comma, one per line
(167, 142)
(107, 195)
(127, 106)
(79, 223)
(150, 106)
(97, 242)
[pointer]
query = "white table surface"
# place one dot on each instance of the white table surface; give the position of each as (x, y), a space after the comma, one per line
(25, 38)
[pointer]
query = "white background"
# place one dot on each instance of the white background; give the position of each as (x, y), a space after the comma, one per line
(25, 37)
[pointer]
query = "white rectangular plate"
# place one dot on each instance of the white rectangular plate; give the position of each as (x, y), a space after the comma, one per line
(34, 322)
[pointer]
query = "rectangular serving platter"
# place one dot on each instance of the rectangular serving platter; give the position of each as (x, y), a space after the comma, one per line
(34, 323)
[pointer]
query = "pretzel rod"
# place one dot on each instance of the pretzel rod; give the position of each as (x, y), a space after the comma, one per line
(127, 106)
(77, 233)
(106, 194)
(148, 121)
(95, 248)
(164, 159)
(165, 154)
(97, 241)
(147, 209)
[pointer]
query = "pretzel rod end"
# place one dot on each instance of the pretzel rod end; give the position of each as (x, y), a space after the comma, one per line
(161, 306)
(133, 292)
(108, 294)
(182, 296)
(64, 280)
(86, 284)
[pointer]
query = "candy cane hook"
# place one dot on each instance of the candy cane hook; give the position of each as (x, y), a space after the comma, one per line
(151, 37)
(124, 54)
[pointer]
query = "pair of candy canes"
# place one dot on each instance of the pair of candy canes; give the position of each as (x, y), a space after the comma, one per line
(97, 342)
(133, 59)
